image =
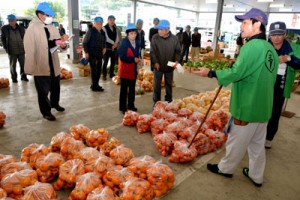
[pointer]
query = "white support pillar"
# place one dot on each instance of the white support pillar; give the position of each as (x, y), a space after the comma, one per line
(218, 25)
(134, 10)
(74, 26)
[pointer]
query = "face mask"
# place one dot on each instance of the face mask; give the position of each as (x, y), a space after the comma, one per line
(48, 20)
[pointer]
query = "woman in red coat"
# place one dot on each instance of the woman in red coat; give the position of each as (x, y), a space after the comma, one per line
(129, 57)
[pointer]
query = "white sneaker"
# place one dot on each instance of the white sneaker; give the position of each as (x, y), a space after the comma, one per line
(268, 144)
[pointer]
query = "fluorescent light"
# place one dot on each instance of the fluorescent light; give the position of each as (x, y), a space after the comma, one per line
(265, 0)
(228, 5)
(285, 9)
(211, 1)
(240, 9)
(276, 5)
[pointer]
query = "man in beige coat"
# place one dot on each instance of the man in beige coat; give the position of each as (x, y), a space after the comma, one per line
(41, 59)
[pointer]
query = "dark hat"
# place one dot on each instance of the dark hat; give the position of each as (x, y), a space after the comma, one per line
(195, 29)
(111, 17)
(277, 28)
(254, 13)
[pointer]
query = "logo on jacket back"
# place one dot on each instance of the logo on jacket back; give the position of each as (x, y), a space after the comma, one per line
(270, 63)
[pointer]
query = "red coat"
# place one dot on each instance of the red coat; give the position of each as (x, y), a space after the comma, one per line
(127, 70)
(127, 65)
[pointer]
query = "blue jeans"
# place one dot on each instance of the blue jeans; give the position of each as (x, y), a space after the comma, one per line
(168, 76)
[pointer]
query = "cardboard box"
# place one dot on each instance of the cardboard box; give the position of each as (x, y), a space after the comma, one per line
(84, 72)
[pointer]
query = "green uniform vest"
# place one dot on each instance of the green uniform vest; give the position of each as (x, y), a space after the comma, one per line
(290, 74)
(253, 76)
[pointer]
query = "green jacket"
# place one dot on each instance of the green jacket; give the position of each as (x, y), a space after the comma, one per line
(253, 76)
(290, 74)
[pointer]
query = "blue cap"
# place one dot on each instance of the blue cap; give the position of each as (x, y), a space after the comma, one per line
(163, 24)
(11, 17)
(254, 13)
(84, 61)
(111, 17)
(45, 8)
(98, 19)
(131, 26)
(140, 21)
(188, 26)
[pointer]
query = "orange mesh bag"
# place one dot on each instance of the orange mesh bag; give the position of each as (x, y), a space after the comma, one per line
(57, 140)
(96, 138)
(79, 131)
(136, 188)
(14, 167)
(121, 155)
(39, 191)
(70, 148)
(31, 153)
(139, 166)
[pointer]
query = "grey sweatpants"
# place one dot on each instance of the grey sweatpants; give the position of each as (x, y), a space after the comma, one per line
(249, 138)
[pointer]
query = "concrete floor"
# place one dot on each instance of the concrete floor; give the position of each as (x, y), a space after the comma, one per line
(25, 125)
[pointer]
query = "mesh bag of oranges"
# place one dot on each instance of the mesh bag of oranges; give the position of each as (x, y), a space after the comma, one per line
(165, 142)
(5, 159)
(4, 82)
(69, 173)
(144, 123)
(182, 153)
(79, 131)
(102, 193)
(88, 155)
(136, 188)
(13, 167)
(115, 176)
(14, 183)
(158, 126)
(48, 166)
(2, 119)
(96, 138)
(109, 145)
(57, 140)
(121, 155)
(70, 148)
(101, 164)
(39, 191)
(139, 166)
(31, 153)
(161, 178)
(130, 118)
(2, 193)
(85, 184)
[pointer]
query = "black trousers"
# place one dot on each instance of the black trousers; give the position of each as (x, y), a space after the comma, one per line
(13, 65)
(127, 91)
(276, 112)
(158, 75)
(112, 56)
(44, 85)
(96, 66)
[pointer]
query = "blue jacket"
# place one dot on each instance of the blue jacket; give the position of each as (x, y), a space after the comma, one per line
(292, 65)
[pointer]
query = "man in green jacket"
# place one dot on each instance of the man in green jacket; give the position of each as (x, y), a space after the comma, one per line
(252, 76)
(288, 63)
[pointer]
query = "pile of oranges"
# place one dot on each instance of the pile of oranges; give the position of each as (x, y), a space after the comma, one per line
(104, 170)
(2, 119)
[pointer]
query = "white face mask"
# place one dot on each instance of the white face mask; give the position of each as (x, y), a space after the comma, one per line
(48, 20)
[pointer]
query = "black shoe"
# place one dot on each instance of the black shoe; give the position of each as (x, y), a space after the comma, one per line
(49, 117)
(24, 79)
(59, 108)
(123, 111)
(246, 173)
(215, 169)
(133, 109)
(97, 89)
(111, 76)
(14, 80)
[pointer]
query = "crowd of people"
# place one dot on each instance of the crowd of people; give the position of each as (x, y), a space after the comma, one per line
(261, 77)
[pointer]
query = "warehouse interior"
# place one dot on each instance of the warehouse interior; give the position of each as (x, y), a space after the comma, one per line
(25, 125)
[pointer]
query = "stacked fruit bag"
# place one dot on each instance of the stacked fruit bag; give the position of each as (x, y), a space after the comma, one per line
(14, 183)
(2, 119)
(106, 170)
(65, 74)
(4, 83)
(174, 125)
